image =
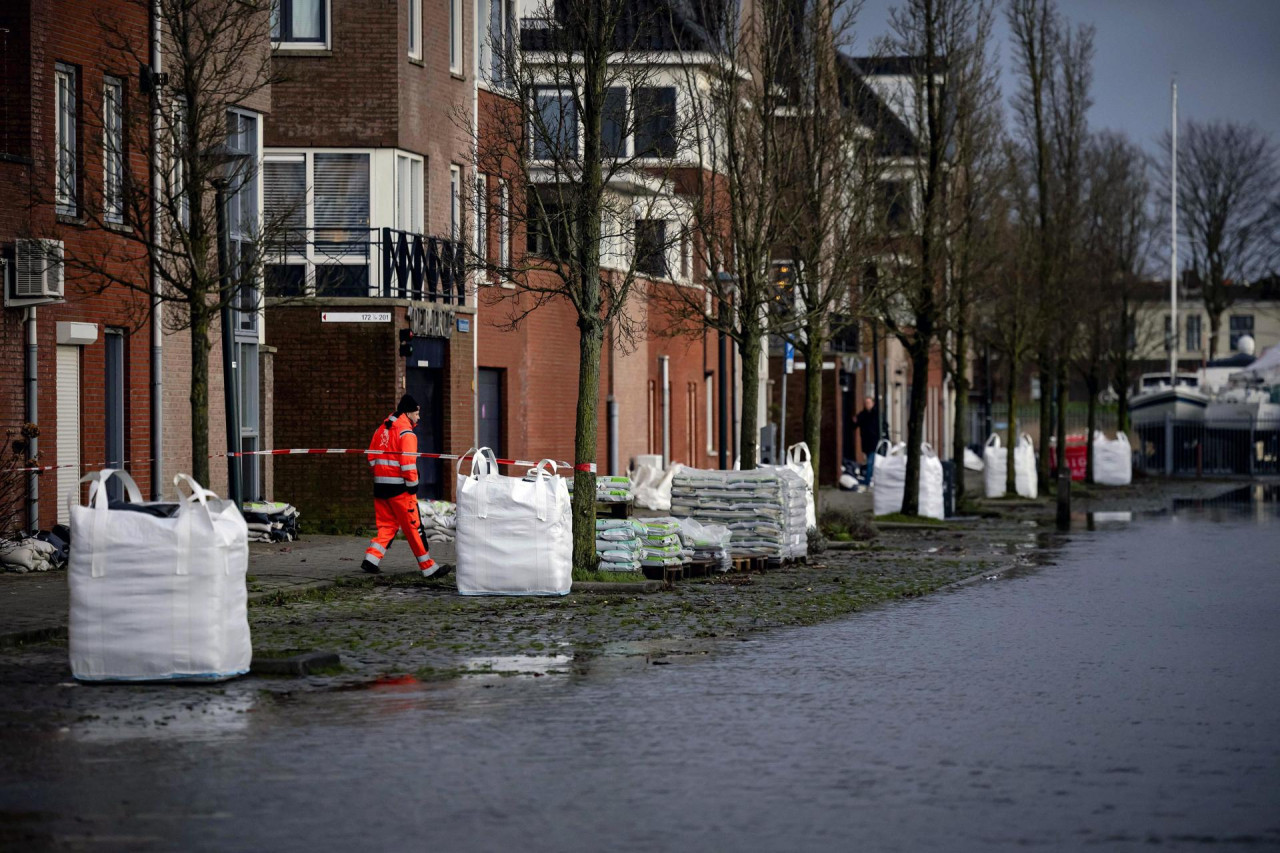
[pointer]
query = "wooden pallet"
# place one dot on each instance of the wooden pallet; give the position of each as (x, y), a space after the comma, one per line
(615, 510)
(749, 564)
(700, 568)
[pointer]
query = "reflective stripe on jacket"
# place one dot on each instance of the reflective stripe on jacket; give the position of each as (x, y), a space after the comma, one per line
(395, 469)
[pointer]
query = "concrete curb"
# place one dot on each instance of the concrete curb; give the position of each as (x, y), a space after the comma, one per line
(599, 587)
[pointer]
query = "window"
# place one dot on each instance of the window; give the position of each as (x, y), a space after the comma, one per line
(114, 403)
(490, 414)
(613, 129)
(504, 224)
(482, 217)
(555, 125)
(179, 200)
(895, 206)
(409, 193)
(1193, 332)
(1241, 325)
(1168, 332)
(68, 179)
(686, 257)
(655, 122)
(496, 52)
(548, 224)
(651, 247)
(301, 23)
(455, 36)
(455, 202)
(708, 381)
(334, 260)
(242, 212)
(112, 149)
(247, 376)
(415, 29)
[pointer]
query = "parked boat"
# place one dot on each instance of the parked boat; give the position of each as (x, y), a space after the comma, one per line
(1156, 397)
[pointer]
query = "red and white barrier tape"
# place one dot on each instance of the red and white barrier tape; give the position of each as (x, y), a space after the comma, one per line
(310, 451)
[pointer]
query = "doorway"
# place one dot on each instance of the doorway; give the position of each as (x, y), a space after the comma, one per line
(425, 382)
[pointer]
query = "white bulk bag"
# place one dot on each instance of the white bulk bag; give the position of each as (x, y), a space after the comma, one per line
(1112, 460)
(995, 467)
(800, 460)
(1024, 468)
(157, 598)
(890, 477)
(514, 537)
(931, 504)
(972, 461)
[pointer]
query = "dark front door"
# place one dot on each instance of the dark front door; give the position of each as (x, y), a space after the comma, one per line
(490, 394)
(425, 379)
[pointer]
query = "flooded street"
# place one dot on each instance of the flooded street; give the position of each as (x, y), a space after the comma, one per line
(1125, 695)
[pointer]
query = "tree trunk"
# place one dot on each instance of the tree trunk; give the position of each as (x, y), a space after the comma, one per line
(749, 430)
(1046, 422)
(586, 428)
(919, 351)
(1010, 481)
(1092, 381)
(813, 400)
(1215, 328)
(199, 396)
(1122, 400)
(1064, 473)
(960, 381)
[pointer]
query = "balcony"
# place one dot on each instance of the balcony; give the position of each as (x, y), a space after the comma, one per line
(373, 263)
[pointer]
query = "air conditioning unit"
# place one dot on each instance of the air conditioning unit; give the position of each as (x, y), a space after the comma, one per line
(37, 273)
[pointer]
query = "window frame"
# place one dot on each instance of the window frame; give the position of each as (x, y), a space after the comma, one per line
(248, 303)
(455, 201)
(504, 223)
(482, 217)
(494, 42)
(177, 173)
(415, 29)
(637, 124)
(282, 18)
(662, 252)
(416, 166)
(456, 53)
(1198, 340)
(566, 96)
(113, 149)
(66, 105)
(1234, 334)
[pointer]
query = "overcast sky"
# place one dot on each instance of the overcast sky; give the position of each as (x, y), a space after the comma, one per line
(1225, 53)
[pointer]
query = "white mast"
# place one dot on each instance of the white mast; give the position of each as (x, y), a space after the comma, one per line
(1173, 255)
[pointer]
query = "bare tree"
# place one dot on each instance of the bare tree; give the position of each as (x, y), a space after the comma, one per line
(1229, 200)
(828, 189)
(583, 145)
(910, 292)
(217, 58)
(738, 109)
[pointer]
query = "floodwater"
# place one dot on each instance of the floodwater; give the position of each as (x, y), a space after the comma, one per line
(1125, 696)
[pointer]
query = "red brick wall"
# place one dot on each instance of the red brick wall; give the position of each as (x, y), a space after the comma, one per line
(333, 382)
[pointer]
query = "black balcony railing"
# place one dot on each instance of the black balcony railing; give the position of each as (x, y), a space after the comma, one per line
(372, 263)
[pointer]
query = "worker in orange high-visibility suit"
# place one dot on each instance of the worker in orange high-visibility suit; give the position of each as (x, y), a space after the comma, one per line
(393, 457)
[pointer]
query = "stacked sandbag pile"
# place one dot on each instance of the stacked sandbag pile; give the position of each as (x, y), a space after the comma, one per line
(439, 520)
(271, 521)
(660, 543)
(609, 489)
(752, 504)
(795, 519)
(707, 543)
(619, 544)
(31, 555)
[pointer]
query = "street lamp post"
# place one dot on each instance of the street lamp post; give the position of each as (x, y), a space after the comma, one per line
(229, 161)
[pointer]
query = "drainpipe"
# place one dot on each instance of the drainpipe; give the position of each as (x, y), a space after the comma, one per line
(665, 362)
(33, 416)
(157, 307)
(722, 389)
(475, 318)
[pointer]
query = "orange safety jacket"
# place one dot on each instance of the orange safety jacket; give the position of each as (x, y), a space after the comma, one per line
(395, 468)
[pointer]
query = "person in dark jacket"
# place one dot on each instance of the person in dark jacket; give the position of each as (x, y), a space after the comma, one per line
(868, 424)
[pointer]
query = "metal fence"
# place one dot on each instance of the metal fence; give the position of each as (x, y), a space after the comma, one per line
(1106, 419)
(1172, 447)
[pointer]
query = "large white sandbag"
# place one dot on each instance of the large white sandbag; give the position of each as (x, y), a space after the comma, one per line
(889, 482)
(514, 536)
(153, 597)
(972, 461)
(1112, 460)
(1025, 480)
(651, 486)
(800, 460)
(995, 467)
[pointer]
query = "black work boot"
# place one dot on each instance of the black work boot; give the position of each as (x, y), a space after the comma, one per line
(371, 568)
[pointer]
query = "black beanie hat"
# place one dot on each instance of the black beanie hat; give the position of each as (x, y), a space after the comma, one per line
(407, 404)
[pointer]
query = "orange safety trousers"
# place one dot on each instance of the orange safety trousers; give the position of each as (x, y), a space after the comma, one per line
(392, 514)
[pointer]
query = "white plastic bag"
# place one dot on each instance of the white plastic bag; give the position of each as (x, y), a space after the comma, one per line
(800, 460)
(1112, 460)
(651, 486)
(1024, 468)
(972, 461)
(514, 537)
(156, 598)
(995, 467)
(890, 475)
